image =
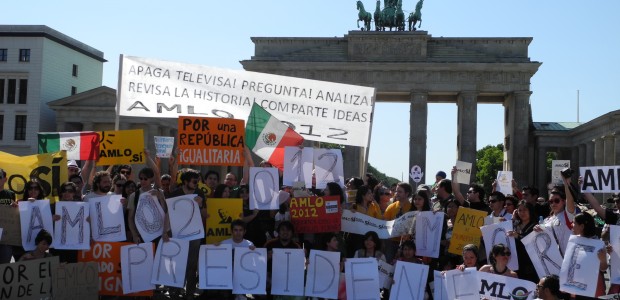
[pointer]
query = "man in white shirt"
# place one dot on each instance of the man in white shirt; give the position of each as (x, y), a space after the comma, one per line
(238, 228)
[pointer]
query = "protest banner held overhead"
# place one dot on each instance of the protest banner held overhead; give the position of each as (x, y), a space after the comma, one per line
(318, 110)
(50, 169)
(315, 214)
(211, 141)
(121, 147)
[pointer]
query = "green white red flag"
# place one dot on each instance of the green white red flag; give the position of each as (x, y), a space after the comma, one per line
(267, 136)
(82, 145)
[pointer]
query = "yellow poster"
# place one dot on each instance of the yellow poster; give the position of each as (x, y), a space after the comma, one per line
(121, 147)
(50, 169)
(466, 229)
(222, 211)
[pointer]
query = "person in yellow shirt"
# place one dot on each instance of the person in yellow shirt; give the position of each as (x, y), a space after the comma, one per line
(365, 203)
(400, 206)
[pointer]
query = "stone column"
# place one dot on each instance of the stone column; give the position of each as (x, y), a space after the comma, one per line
(590, 153)
(541, 169)
(608, 148)
(352, 159)
(617, 148)
(599, 152)
(149, 141)
(467, 124)
(417, 131)
(87, 126)
(518, 133)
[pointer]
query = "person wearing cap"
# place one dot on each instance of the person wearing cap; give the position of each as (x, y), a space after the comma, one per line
(72, 168)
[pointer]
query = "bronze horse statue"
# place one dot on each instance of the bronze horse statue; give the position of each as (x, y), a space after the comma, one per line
(400, 16)
(377, 16)
(364, 16)
(416, 16)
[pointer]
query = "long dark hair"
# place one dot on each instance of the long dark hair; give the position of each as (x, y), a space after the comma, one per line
(335, 190)
(361, 192)
(427, 202)
(530, 208)
(29, 185)
(589, 228)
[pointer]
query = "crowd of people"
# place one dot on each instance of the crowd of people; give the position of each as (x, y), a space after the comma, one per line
(526, 208)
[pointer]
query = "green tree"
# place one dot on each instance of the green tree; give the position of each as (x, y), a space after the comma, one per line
(489, 160)
(387, 180)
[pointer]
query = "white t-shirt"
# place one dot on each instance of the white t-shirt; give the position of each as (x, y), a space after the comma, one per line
(559, 228)
(244, 243)
(490, 219)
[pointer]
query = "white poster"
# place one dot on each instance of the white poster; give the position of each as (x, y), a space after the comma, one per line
(416, 174)
(556, 167)
(185, 220)
(359, 223)
(496, 234)
(170, 263)
(463, 285)
(106, 217)
(543, 251)
(600, 179)
(149, 217)
(496, 286)
(428, 227)
(250, 271)
(264, 188)
(440, 292)
(287, 275)
(386, 273)
(72, 231)
(164, 146)
(298, 163)
(323, 274)
(463, 172)
(318, 110)
(362, 278)
(136, 261)
(580, 267)
(34, 216)
(328, 167)
(215, 267)
(409, 281)
(614, 238)
(504, 182)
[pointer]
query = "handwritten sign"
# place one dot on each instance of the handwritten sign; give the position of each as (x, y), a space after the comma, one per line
(9, 222)
(580, 267)
(211, 141)
(409, 281)
(360, 223)
(72, 231)
(221, 214)
(543, 251)
(462, 284)
(323, 274)
(496, 286)
(250, 271)
(34, 216)
(318, 110)
(328, 166)
(428, 227)
(362, 278)
(556, 167)
(497, 233)
(163, 146)
(106, 215)
(49, 168)
(215, 267)
(315, 214)
(298, 163)
(264, 188)
(614, 240)
(466, 229)
(185, 219)
(136, 261)
(600, 179)
(107, 255)
(170, 263)
(149, 217)
(463, 172)
(121, 147)
(504, 182)
(76, 281)
(31, 280)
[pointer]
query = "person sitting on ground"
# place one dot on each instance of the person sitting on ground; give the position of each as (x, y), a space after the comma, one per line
(43, 240)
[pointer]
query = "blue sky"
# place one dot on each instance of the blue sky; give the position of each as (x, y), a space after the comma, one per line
(576, 41)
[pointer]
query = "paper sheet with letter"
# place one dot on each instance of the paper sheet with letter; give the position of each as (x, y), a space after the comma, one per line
(543, 251)
(72, 231)
(580, 267)
(215, 267)
(136, 261)
(250, 271)
(362, 278)
(170, 263)
(495, 234)
(34, 216)
(409, 281)
(185, 219)
(323, 274)
(288, 272)
(106, 215)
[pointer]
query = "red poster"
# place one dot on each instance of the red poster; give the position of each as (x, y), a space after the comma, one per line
(315, 214)
(107, 255)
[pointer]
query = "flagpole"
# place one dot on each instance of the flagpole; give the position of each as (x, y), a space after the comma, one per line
(118, 92)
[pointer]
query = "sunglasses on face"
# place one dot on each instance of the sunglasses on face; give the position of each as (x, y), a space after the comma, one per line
(555, 200)
(470, 192)
(33, 187)
(505, 253)
(125, 172)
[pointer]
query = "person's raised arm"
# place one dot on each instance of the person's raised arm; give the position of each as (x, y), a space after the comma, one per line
(151, 164)
(173, 166)
(455, 187)
(248, 163)
(570, 200)
(87, 170)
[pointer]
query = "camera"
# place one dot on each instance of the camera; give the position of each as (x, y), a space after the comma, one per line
(567, 172)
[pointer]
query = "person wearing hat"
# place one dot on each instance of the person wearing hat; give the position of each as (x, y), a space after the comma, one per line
(73, 168)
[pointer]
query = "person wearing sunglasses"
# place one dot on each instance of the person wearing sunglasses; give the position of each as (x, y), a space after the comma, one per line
(499, 257)
(67, 191)
(117, 184)
(563, 211)
(498, 213)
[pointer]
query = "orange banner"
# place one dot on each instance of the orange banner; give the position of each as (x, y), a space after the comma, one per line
(211, 141)
(107, 255)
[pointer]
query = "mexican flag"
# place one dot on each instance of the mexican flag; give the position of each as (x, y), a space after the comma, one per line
(82, 145)
(267, 136)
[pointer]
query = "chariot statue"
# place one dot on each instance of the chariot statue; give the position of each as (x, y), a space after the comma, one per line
(416, 16)
(391, 16)
(364, 16)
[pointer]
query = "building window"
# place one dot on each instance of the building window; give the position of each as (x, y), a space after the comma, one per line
(24, 54)
(73, 90)
(75, 70)
(3, 54)
(10, 96)
(1, 126)
(23, 91)
(20, 128)
(2, 90)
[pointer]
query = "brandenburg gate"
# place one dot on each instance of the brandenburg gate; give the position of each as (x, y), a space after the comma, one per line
(416, 68)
